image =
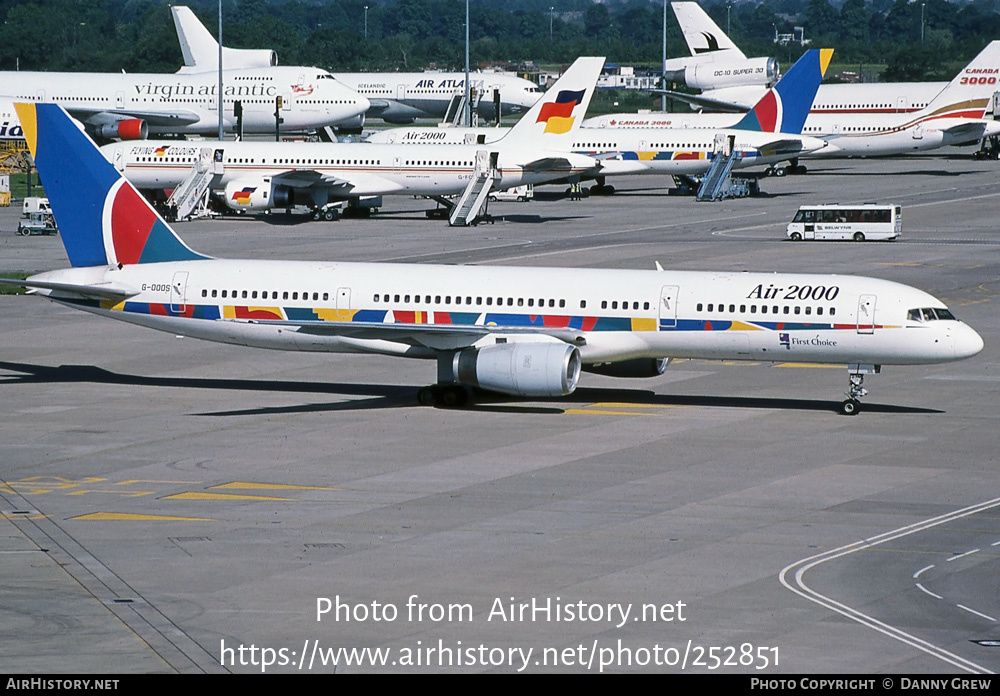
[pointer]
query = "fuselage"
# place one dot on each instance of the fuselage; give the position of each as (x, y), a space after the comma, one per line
(403, 97)
(188, 102)
(353, 169)
(660, 150)
(854, 98)
(612, 314)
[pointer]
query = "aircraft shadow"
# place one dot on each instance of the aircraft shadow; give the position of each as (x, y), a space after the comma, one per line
(382, 396)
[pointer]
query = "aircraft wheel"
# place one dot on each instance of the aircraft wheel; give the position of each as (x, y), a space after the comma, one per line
(769, 171)
(318, 215)
(850, 407)
(796, 237)
(454, 396)
(428, 396)
(493, 199)
(780, 171)
(859, 237)
(801, 169)
(330, 215)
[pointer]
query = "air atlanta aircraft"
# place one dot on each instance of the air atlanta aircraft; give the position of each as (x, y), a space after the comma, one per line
(524, 332)
(132, 106)
(261, 175)
(395, 97)
(956, 116)
(768, 134)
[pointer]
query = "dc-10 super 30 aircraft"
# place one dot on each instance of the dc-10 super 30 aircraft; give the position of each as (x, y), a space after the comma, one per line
(395, 97)
(258, 176)
(518, 331)
(956, 116)
(770, 133)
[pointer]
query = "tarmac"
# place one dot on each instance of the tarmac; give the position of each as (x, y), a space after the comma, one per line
(176, 506)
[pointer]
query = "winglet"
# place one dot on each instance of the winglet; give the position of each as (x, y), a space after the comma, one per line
(103, 220)
(786, 106)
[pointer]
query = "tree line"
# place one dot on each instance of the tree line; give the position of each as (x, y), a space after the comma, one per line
(921, 40)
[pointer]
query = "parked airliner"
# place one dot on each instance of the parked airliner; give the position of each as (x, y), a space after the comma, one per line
(768, 134)
(721, 92)
(394, 97)
(255, 176)
(132, 106)
(519, 331)
(956, 116)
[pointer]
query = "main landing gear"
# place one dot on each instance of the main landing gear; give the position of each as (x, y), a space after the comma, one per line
(446, 395)
(856, 390)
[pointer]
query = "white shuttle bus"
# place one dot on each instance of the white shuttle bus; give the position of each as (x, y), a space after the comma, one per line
(841, 222)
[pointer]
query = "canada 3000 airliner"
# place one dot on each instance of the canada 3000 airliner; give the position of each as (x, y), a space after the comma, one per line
(518, 331)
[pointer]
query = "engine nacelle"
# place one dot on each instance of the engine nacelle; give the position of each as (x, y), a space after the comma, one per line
(752, 71)
(520, 369)
(233, 58)
(637, 367)
(258, 195)
(131, 129)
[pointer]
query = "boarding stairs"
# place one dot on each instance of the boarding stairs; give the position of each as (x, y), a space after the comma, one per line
(474, 198)
(716, 184)
(455, 112)
(190, 198)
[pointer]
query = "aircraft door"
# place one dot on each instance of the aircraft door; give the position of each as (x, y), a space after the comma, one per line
(400, 91)
(866, 314)
(902, 104)
(119, 100)
(668, 306)
(918, 132)
(119, 159)
(343, 304)
(178, 293)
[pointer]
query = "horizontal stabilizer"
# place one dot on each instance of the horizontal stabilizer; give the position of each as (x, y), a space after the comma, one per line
(102, 291)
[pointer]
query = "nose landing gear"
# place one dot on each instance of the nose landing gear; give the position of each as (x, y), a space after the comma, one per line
(856, 390)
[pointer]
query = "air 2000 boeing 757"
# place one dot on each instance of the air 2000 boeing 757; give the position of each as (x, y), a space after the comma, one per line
(518, 331)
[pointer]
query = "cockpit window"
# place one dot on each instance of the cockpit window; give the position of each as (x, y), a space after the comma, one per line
(929, 314)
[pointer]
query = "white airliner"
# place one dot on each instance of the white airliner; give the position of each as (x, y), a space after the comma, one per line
(956, 116)
(132, 106)
(715, 61)
(394, 97)
(262, 175)
(720, 89)
(768, 134)
(518, 331)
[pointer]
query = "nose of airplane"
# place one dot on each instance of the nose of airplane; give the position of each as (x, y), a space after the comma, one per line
(967, 342)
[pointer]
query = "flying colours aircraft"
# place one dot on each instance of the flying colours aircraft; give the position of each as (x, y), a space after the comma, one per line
(519, 331)
(257, 176)
(394, 97)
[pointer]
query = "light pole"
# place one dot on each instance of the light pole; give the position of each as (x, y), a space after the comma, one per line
(551, 9)
(922, 21)
(366, 22)
(729, 28)
(663, 99)
(222, 134)
(467, 116)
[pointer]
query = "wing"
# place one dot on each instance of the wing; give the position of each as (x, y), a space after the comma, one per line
(434, 336)
(703, 102)
(158, 119)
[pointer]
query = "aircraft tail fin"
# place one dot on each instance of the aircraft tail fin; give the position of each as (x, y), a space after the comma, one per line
(561, 109)
(703, 35)
(201, 49)
(968, 95)
(103, 220)
(786, 106)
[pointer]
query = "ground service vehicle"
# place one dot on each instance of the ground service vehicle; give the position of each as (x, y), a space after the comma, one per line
(839, 222)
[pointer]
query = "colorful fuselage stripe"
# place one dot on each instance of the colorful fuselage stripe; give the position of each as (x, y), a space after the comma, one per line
(500, 319)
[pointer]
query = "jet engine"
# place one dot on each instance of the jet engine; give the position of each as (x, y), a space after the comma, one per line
(258, 195)
(752, 71)
(638, 367)
(131, 129)
(520, 369)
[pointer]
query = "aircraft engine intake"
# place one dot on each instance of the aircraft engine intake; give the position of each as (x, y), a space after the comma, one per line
(752, 71)
(637, 367)
(521, 369)
(131, 129)
(258, 195)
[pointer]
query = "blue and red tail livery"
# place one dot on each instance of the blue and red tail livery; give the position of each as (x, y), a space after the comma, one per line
(786, 105)
(103, 220)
